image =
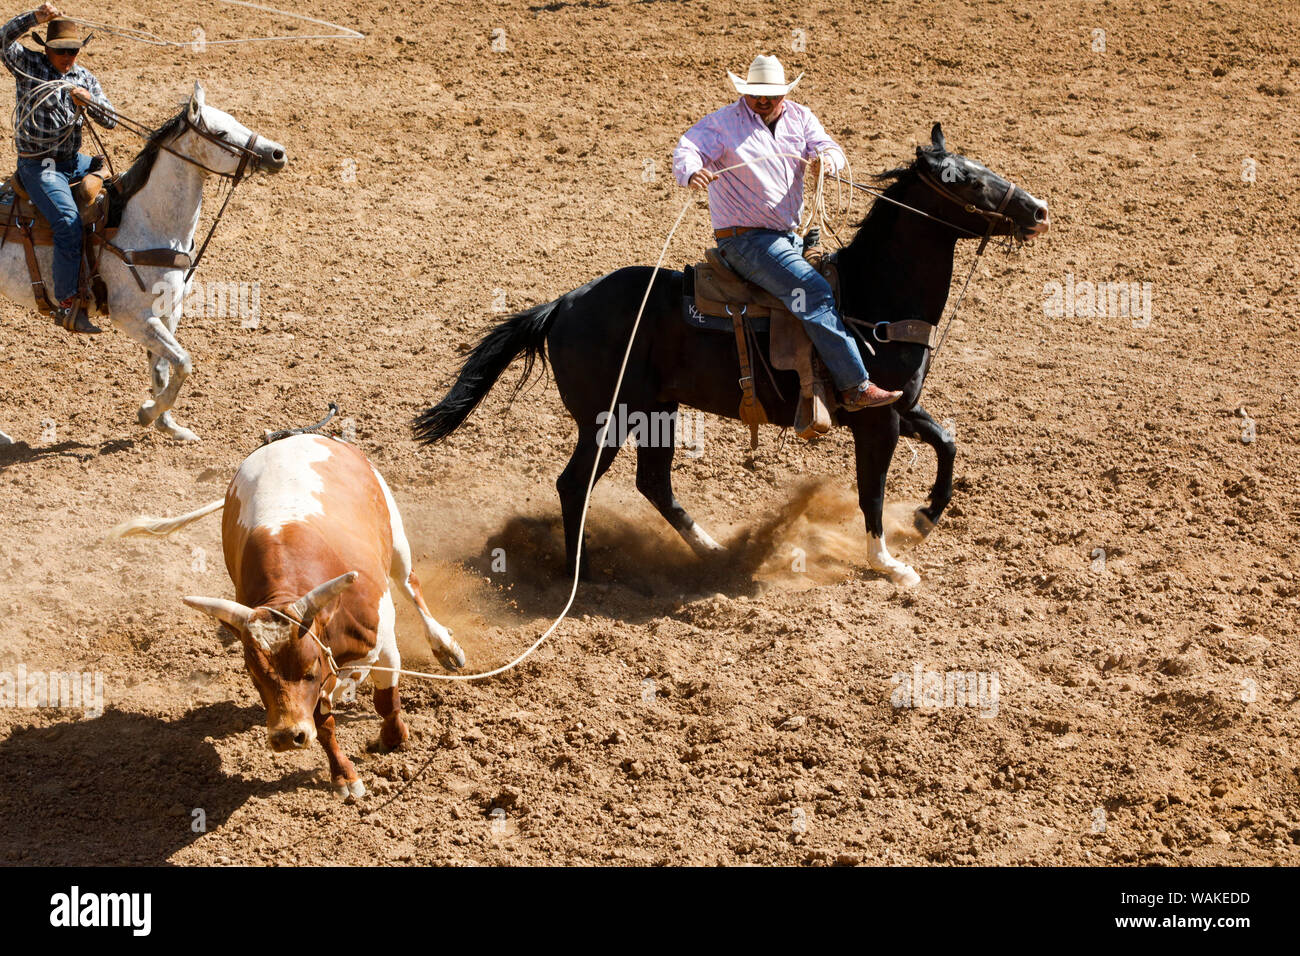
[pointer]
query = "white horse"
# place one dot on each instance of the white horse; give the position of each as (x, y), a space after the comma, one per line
(163, 190)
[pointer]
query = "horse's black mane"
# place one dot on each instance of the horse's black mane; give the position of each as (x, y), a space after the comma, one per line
(882, 213)
(131, 180)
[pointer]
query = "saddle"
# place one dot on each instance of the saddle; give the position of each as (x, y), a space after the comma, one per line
(21, 221)
(720, 292)
(100, 208)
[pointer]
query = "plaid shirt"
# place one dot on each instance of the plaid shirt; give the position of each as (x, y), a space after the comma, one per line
(34, 137)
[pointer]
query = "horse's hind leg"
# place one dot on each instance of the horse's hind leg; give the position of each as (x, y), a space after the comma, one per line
(654, 464)
(159, 373)
(572, 486)
(917, 423)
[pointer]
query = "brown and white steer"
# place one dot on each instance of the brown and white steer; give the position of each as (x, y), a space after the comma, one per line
(312, 538)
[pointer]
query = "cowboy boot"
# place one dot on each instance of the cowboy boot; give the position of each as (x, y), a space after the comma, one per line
(867, 395)
(72, 316)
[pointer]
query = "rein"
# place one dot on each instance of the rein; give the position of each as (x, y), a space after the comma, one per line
(250, 161)
(993, 218)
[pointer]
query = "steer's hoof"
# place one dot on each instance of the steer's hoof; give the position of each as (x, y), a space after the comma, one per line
(148, 413)
(448, 651)
(921, 521)
(393, 733)
(349, 788)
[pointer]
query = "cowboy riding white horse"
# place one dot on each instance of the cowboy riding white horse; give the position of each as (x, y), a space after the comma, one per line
(162, 197)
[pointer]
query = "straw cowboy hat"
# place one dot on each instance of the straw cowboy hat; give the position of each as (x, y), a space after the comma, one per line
(61, 35)
(766, 78)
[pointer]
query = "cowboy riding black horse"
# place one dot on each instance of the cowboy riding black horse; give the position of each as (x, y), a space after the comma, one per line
(898, 266)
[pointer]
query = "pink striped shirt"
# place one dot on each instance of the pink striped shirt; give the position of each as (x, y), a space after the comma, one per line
(768, 194)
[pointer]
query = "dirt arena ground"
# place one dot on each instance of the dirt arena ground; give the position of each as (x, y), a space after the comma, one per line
(1120, 551)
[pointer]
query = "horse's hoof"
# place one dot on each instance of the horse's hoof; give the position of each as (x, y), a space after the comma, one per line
(179, 432)
(905, 577)
(5, 439)
(921, 521)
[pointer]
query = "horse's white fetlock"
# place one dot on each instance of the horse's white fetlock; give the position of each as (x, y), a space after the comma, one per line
(168, 427)
(881, 560)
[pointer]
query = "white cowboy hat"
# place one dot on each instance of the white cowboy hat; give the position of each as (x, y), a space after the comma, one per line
(766, 78)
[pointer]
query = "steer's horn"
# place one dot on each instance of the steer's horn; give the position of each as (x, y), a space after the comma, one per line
(312, 603)
(228, 612)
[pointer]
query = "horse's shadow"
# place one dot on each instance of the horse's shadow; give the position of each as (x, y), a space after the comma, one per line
(650, 574)
(21, 453)
(123, 788)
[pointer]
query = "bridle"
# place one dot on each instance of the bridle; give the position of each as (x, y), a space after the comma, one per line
(250, 161)
(993, 218)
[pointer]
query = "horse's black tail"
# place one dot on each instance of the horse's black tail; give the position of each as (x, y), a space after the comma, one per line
(524, 333)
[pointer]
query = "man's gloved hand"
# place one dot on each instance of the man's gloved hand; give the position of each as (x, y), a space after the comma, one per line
(96, 164)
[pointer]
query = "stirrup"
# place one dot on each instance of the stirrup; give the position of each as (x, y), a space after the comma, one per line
(74, 319)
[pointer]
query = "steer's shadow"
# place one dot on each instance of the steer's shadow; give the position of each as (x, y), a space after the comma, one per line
(121, 788)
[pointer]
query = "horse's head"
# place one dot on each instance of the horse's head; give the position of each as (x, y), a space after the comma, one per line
(978, 196)
(221, 144)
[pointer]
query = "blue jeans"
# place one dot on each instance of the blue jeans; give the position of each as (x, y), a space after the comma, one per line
(774, 260)
(47, 183)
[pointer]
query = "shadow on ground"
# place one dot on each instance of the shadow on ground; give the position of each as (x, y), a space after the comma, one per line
(122, 788)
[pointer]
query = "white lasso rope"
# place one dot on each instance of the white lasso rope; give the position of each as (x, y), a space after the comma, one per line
(819, 211)
(153, 39)
(25, 107)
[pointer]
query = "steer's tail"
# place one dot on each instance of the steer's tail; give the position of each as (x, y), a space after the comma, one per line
(524, 333)
(163, 526)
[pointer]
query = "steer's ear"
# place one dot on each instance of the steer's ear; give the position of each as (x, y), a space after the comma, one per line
(936, 138)
(227, 612)
(316, 600)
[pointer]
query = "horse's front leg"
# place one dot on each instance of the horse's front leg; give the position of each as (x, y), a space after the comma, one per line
(158, 339)
(917, 423)
(875, 435)
(159, 374)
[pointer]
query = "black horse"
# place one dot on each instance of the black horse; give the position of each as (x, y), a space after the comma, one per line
(898, 266)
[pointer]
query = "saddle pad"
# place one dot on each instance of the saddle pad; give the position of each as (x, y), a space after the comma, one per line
(712, 323)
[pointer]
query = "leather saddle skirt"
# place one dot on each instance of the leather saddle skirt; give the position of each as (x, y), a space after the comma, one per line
(17, 206)
(722, 295)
